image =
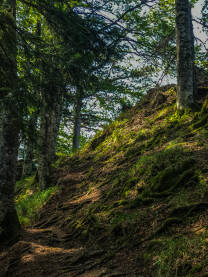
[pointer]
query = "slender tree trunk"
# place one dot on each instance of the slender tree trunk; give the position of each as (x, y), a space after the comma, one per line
(28, 162)
(49, 127)
(30, 146)
(77, 121)
(9, 132)
(185, 55)
(193, 54)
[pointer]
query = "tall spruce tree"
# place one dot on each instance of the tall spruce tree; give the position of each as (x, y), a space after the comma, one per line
(9, 123)
(185, 55)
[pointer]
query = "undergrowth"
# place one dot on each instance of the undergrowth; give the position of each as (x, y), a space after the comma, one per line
(150, 172)
(179, 256)
(30, 199)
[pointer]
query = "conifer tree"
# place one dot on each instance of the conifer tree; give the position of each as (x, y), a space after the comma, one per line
(185, 55)
(9, 124)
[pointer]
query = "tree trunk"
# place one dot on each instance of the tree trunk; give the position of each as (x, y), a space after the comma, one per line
(77, 121)
(28, 162)
(185, 55)
(30, 146)
(9, 224)
(49, 127)
(9, 132)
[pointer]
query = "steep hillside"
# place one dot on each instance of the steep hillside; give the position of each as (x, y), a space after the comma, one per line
(134, 202)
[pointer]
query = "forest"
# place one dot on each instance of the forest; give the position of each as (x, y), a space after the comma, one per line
(104, 138)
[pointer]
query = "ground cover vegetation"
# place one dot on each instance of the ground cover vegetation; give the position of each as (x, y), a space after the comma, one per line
(131, 201)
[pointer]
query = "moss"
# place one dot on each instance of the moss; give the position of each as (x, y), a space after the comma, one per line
(188, 210)
(160, 173)
(200, 119)
(135, 203)
(134, 151)
(155, 140)
(120, 203)
(150, 186)
(179, 256)
(87, 225)
(25, 184)
(196, 268)
(29, 204)
(204, 109)
(141, 201)
(166, 224)
(173, 176)
(99, 138)
(203, 120)
(90, 172)
(154, 244)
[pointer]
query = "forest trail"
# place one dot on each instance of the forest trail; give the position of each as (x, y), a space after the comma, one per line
(133, 203)
(46, 249)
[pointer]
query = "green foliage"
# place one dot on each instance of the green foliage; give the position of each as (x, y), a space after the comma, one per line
(29, 205)
(181, 256)
(148, 166)
(64, 141)
(24, 184)
(174, 176)
(29, 199)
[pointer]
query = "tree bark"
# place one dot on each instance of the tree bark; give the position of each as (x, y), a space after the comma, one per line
(185, 55)
(30, 146)
(49, 126)
(9, 132)
(77, 121)
(9, 224)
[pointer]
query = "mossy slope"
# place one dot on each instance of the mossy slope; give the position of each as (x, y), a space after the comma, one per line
(140, 186)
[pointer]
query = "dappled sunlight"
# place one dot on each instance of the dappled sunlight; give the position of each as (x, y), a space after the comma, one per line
(138, 183)
(92, 196)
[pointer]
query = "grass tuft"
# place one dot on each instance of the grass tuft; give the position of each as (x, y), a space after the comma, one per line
(29, 199)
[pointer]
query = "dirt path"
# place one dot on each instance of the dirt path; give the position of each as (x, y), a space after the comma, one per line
(42, 253)
(46, 249)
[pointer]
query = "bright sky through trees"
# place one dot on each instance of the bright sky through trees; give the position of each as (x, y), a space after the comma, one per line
(196, 11)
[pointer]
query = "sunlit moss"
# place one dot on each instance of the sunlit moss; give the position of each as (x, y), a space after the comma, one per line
(29, 204)
(164, 112)
(29, 199)
(25, 184)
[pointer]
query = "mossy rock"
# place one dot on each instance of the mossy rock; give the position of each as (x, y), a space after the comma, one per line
(174, 176)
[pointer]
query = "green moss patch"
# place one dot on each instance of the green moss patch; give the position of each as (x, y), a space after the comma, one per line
(179, 256)
(174, 176)
(29, 199)
(29, 205)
